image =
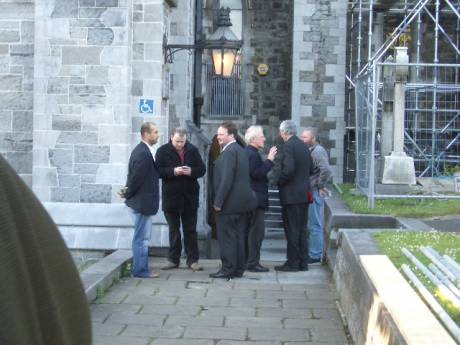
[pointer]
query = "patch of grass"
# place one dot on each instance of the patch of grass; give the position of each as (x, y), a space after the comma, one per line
(412, 208)
(391, 242)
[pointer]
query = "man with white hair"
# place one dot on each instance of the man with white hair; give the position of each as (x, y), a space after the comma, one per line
(258, 170)
(318, 180)
(294, 184)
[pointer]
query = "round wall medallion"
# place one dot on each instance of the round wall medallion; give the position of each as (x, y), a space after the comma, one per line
(263, 69)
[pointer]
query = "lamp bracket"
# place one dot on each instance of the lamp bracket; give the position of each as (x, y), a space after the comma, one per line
(171, 49)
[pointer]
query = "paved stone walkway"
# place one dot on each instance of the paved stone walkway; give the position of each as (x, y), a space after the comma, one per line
(189, 308)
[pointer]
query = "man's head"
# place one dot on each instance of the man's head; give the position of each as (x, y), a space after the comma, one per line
(255, 137)
(287, 129)
(178, 138)
(310, 135)
(226, 133)
(149, 133)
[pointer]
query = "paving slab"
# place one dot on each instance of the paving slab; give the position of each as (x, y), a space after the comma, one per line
(189, 308)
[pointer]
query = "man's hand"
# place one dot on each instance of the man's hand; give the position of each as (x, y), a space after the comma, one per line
(272, 153)
(122, 192)
(178, 171)
(324, 192)
(217, 209)
(186, 170)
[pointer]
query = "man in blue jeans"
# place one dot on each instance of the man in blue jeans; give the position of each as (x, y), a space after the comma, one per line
(142, 196)
(318, 180)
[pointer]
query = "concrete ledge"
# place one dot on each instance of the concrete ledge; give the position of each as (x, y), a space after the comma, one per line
(101, 275)
(379, 305)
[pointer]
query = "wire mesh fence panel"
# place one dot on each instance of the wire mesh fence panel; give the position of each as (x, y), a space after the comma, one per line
(432, 120)
(223, 95)
(363, 101)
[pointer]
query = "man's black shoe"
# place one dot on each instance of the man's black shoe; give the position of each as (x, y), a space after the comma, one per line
(258, 268)
(286, 268)
(238, 274)
(314, 261)
(303, 268)
(221, 275)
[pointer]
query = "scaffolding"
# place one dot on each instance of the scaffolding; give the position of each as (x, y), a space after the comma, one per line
(430, 29)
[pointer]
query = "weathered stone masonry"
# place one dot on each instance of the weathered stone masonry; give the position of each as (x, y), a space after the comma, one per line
(318, 85)
(16, 84)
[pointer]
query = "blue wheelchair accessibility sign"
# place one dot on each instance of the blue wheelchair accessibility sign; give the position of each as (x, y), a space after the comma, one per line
(146, 106)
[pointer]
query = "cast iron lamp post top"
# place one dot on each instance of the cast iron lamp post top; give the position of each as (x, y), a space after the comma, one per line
(223, 40)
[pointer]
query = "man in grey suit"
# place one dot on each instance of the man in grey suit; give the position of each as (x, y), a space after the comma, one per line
(294, 184)
(233, 202)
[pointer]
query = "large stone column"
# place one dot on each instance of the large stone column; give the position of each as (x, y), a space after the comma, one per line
(398, 167)
(94, 61)
(318, 73)
(16, 84)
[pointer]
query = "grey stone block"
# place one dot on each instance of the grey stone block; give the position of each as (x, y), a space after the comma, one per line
(20, 161)
(114, 17)
(5, 121)
(95, 193)
(24, 50)
(81, 55)
(86, 168)
(4, 49)
(138, 51)
(16, 100)
(9, 36)
(77, 138)
(92, 154)
(58, 85)
(137, 87)
(115, 56)
(87, 3)
(22, 121)
(16, 141)
(61, 159)
(153, 13)
(16, 10)
(66, 123)
(27, 31)
(97, 75)
(10, 82)
(69, 181)
(148, 32)
(106, 3)
(88, 12)
(65, 9)
(83, 97)
(100, 36)
(65, 194)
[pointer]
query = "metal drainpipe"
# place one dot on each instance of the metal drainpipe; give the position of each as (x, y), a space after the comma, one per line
(198, 65)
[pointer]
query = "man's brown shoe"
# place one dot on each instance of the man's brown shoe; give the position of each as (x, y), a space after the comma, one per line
(169, 266)
(195, 267)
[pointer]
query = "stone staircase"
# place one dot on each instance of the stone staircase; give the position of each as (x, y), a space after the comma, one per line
(274, 244)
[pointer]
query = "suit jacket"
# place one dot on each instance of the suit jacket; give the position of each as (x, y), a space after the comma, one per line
(231, 185)
(42, 300)
(296, 167)
(182, 191)
(143, 186)
(258, 171)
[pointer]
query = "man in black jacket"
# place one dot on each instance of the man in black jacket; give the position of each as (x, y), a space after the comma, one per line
(180, 165)
(294, 184)
(142, 196)
(258, 170)
(233, 202)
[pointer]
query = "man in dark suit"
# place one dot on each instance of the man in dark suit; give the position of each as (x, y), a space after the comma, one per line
(258, 170)
(142, 196)
(294, 184)
(233, 202)
(180, 165)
